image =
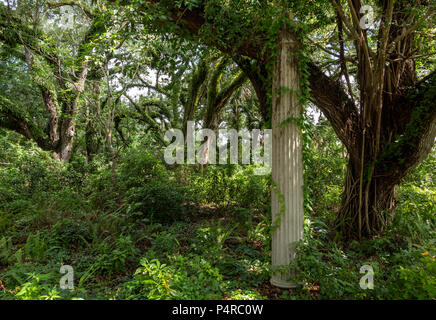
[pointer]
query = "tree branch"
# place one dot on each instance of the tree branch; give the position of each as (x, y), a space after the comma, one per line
(329, 96)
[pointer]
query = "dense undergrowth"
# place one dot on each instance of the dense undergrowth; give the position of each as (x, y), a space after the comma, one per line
(152, 232)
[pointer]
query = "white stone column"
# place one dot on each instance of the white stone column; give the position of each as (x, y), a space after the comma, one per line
(287, 168)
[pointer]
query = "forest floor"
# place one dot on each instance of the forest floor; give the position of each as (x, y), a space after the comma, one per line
(157, 236)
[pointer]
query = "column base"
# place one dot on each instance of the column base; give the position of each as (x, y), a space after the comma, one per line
(281, 282)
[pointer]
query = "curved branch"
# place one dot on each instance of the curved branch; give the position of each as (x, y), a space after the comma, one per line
(330, 97)
(12, 120)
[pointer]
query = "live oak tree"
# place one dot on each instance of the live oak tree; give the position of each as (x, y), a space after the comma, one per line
(217, 91)
(59, 71)
(389, 127)
(199, 93)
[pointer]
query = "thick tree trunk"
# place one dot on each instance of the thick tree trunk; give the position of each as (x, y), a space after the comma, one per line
(65, 149)
(69, 114)
(53, 118)
(368, 204)
(395, 127)
(287, 167)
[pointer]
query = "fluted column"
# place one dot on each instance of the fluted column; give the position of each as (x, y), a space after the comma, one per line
(287, 169)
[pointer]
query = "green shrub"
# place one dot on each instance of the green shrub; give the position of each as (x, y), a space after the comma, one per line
(330, 268)
(5, 250)
(112, 257)
(72, 233)
(37, 288)
(159, 201)
(414, 282)
(166, 243)
(149, 189)
(138, 168)
(36, 247)
(232, 185)
(183, 278)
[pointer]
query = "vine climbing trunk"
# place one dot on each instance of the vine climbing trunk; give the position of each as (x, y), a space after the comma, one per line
(366, 212)
(287, 168)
